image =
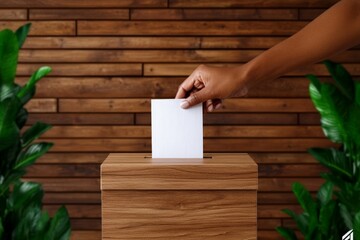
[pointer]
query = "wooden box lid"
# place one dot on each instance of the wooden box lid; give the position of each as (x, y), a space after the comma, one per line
(215, 171)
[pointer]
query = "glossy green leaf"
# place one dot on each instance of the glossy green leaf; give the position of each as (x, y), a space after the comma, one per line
(304, 198)
(1, 229)
(32, 153)
(9, 131)
(21, 33)
(34, 132)
(332, 107)
(346, 216)
(21, 118)
(28, 91)
(287, 233)
(24, 195)
(326, 216)
(333, 159)
(301, 220)
(8, 58)
(60, 226)
(357, 93)
(357, 226)
(342, 78)
(325, 193)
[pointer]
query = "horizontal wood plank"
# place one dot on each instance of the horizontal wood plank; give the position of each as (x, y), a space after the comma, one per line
(84, 224)
(64, 170)
(285, 184)
(81, 69)
(72, 198)
(274, 28)
(150, 42)
(75, 14)
(82, 118)
(49, 28)
(213, 14)
(210, 145)
(310, 14)
(83, 4)
(150, 87)
(78, 210)
(86, 235)
(72, 158)
(309, 119)
(42, 105)
(68, 185)
(246, 3)
(13, 14)
(282, 158)
(209, 132)
(235, 118)
(185, 69)
(293, 170)
(229, 105)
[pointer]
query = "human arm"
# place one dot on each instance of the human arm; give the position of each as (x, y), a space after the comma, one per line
(334, 31)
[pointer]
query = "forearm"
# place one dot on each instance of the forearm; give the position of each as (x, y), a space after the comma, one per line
(334, 31)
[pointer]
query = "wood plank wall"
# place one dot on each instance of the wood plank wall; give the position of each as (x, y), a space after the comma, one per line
(110, 57)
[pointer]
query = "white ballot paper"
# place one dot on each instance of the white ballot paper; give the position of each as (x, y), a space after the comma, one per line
(176, 132)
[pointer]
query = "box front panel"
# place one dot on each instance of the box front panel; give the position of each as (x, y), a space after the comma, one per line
(180, 215)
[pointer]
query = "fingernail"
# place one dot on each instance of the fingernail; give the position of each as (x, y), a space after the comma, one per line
(210, 108)
(184, 104)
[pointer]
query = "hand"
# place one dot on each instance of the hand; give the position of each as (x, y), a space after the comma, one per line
(211, 85)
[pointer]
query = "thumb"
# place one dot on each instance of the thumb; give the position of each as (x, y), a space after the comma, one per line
(195, 98)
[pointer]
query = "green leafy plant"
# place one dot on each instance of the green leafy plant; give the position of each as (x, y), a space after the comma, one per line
(339, 106)
(21, 214)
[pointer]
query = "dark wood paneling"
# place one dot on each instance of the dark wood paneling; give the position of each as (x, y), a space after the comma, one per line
(85, 69)
(83, 4)
(110, 57)
(235, 118)
(197, 28)
(247, 3)
(213, 14)
(13, 14)
(50, 28)
(72, 14)
(82, 118)
(229, 105)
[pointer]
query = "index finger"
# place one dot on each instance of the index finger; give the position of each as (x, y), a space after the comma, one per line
(185, 87)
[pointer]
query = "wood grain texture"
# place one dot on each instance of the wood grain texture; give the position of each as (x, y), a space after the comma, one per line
(42, 105)
(143, 42)
(185, 69)
(13, 14)
(151, 87)
(249, 3)
(82, 119)
(210, 145)
(235, 118)
(88, 69)
(121, 172)
(188, 28)
(209, 132)
(179, 215)
(213, 14)
(49, 28)
(82, 4)
(74, 14)
(110, 57)
(229, 105)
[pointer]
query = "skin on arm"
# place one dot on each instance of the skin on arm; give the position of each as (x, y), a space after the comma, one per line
(334, 31)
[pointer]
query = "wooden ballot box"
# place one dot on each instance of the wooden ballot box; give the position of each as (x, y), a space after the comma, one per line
(177, 199)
